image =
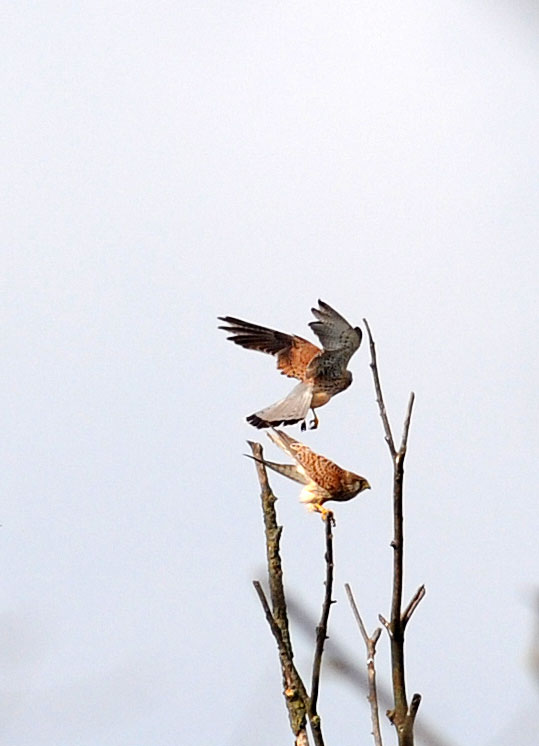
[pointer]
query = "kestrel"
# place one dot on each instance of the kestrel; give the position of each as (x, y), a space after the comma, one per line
(323, 480)
(322, 372)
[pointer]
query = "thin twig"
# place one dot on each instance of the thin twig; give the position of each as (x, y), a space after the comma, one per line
(370, 644)
(386, 624)
(414, 705)
(406, 427)
(295, 691)
(379, 397)
(412, 606)
(322, 628)
(295, 694)
(356, 613)
(276, 631)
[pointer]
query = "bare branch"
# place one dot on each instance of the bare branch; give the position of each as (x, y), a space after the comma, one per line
(412, 606)
(273, 538)
(295, 694)
(370, 644)
(414, 706)
(406, 427)
(386, 624)
(399, 715)
(379, 397)
(322, 628)
(356, 613)
(275, 629)
(339, 658)
(296, 698)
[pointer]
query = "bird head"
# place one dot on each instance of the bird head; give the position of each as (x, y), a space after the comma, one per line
(355, 483)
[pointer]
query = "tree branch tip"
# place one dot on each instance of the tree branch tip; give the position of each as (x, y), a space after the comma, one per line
(412, 606)
(414, 706)
(375, 635)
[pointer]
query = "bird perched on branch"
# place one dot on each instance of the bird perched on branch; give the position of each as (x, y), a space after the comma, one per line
(322, 372)
(323, 480)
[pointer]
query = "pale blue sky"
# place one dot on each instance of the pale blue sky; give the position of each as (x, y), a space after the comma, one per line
(165, 163)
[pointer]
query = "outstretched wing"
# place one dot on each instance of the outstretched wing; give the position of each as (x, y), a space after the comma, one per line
(338, 338)
(293, 353)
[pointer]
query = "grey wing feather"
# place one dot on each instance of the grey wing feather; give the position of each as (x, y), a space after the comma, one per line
(287, 470)
(334, 331)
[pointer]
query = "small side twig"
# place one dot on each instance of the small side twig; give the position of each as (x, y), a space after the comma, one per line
(370, 644)
(386, 624)
(406, 426)
(322, 628)
(412, 606)
(294, 692)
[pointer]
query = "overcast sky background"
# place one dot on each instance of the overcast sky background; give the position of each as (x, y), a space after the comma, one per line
(165, 163)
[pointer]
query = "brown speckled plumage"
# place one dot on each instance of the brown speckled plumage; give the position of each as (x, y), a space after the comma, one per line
(322, 478)
(322, 372)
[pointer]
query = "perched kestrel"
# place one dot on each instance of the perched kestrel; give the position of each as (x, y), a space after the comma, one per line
(323, 480)
(322, 372)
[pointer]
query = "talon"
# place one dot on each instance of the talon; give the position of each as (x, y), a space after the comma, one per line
(327, 515)
(314, 422)
(303, 426)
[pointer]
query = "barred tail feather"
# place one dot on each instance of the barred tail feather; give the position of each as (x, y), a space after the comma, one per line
(284, 441)
(293, 408)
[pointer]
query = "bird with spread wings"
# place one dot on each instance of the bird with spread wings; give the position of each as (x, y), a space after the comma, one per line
(323, 480)
(322, 372)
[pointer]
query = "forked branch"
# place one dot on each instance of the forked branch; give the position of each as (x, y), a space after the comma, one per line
(299, 704)
(370, 644)
(400, 715)
(296, 698)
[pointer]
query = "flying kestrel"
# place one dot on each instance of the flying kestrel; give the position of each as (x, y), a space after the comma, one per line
(322, 372)
(323, 480)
